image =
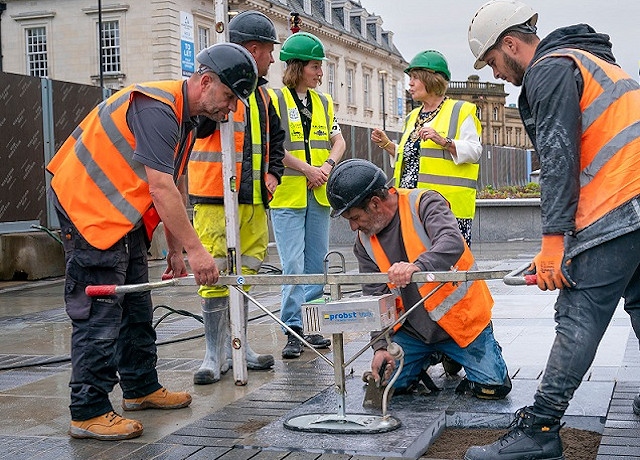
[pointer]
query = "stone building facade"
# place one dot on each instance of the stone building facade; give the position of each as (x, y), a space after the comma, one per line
(144, 40)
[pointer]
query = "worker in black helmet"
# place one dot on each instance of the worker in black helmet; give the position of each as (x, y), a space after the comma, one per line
(259, 152)
(114, 179)
(403, 231)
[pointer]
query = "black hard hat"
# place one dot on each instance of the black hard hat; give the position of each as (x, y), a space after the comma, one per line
(234, 65)
(351, 182)
(252, 25)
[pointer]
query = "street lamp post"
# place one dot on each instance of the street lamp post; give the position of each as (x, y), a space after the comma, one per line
(384, 111)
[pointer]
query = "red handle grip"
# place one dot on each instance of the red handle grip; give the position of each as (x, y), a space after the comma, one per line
(100, 290)
(530, 280)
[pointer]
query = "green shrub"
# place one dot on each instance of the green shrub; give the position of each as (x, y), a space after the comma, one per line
(531, 190)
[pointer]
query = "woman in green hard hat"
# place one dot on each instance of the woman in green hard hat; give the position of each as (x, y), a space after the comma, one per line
(440, 146)
(299, 209)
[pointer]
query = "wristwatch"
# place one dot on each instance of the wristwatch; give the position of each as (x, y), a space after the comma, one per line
(331, 162)
(448, 142)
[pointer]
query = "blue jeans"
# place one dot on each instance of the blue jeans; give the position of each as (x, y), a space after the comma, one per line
(482, 359)
(302, 238)
(603, 275)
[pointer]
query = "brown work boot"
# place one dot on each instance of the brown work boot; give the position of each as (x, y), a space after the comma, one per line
(106, 427)
(159, 399)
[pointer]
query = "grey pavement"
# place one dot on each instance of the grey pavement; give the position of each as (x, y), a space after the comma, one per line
(242, 422)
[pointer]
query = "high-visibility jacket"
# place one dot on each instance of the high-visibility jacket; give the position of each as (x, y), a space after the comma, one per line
(609, 145)
(292, 192)
(437, 171)
(205, 164)
(462, 309)
(102, 189)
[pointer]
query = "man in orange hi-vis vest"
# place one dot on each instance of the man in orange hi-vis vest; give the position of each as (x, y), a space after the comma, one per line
(402, 231)
(582, 113)
(114, 179)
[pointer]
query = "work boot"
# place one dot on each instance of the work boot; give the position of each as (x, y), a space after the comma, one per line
(530, 437)
(106, 427)
(636, 405)
(317, 341)
(215, 314)
(159, 399)
(484, 391)
(255, 361)
(293, 348)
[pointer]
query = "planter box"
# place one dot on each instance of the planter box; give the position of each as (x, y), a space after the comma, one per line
(499, 220)
(507, 220)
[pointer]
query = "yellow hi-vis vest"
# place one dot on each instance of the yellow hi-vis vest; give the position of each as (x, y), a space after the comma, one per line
(462, 309)
(103, 190)
(292, 192)
(205, 164)
(437, 171)
(610, 142)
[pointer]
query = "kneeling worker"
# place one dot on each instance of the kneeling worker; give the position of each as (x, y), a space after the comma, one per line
(400, 232)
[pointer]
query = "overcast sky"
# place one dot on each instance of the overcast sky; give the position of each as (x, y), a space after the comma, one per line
(443, 25)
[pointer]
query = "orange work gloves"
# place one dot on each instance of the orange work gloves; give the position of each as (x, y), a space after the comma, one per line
(548, 263)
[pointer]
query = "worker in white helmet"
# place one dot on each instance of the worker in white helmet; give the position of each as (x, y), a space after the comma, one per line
(582, 113)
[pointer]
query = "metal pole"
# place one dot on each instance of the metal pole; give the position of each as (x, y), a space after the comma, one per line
(231, 185)
(100, 45)
(384, 110)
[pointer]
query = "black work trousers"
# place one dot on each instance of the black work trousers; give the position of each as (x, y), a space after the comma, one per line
(603, 275)
(113, 339)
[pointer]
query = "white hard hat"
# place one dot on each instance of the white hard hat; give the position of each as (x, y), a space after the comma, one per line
(491, 20)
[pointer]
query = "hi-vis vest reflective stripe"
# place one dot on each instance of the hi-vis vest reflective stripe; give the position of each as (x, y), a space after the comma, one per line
(292, 192)
(437, 171)
(205, 164)
(463, 310)
(610, 142)
(102, 189)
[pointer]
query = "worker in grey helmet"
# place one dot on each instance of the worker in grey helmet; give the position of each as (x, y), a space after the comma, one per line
(259, 153)
(113, 180)
(403, 231)
(582, 113)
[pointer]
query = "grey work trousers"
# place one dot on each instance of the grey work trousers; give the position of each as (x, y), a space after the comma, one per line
(603, 274)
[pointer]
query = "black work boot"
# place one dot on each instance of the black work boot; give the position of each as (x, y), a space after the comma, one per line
(636, 405)
(293, 348)
(530, 437)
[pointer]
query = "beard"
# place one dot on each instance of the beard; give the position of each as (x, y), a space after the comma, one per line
(515, 68)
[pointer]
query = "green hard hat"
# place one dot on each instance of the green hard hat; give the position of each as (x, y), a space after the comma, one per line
(431, 60)
(303, 46)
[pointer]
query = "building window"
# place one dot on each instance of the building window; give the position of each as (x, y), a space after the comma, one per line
(110, 41)
(37, 63)
(331, 79)
(496, 136)
(366, 90)
(203, 38)
(479, 112)
(518, 137)
(508, 141)
(350, 97)
(495, 114)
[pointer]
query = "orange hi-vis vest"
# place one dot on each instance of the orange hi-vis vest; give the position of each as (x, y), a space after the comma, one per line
(205, 165)
(610, 142)
(103, 190)
(462, 309)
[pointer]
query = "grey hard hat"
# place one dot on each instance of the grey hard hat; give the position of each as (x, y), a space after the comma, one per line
(234, 65)
(351, 182)
(252, 25)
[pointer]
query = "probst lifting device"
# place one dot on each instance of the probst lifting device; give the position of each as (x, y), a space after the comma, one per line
(335, 315)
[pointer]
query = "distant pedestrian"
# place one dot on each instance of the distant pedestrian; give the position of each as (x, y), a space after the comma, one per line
(582, 113)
